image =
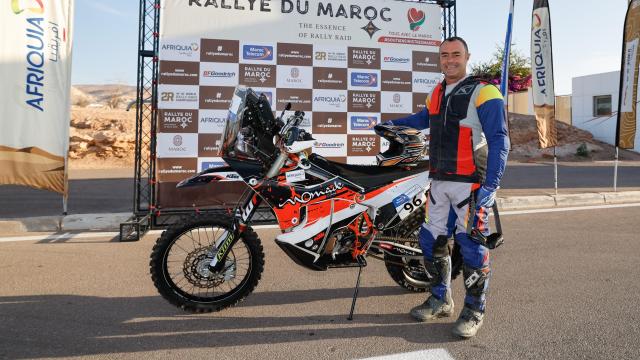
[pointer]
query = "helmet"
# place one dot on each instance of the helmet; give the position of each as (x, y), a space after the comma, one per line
(406, 145)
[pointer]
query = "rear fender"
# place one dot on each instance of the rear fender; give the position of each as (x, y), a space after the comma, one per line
(212, 175)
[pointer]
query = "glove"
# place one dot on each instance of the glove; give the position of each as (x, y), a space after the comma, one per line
(485, 197)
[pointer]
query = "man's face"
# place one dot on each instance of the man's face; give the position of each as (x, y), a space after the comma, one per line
(453, 60)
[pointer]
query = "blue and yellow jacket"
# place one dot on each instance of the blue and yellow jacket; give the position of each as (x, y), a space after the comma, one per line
(468, 132)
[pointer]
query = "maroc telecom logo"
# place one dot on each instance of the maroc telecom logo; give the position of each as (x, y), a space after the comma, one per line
(17, 9)
(416, 18)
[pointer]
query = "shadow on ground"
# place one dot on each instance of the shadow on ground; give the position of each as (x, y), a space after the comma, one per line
(68, 325)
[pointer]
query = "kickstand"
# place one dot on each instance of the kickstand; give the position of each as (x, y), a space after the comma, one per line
(361, 263)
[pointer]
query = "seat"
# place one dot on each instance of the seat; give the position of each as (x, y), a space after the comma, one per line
(368, 177)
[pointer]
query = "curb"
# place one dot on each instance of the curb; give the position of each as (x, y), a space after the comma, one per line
(111, 222)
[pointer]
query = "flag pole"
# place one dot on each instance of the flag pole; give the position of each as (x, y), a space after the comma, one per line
(555, 170)
(615, 172)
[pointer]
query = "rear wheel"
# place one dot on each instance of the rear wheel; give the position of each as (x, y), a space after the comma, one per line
(180, 265)
(408, 273)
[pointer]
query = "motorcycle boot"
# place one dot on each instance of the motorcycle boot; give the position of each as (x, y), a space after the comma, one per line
(471, 318)
(439, 304)
(468, 323)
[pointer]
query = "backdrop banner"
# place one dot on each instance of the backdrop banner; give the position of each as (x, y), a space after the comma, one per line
(628, 100)
(542, 74)
(35, 53)
(348, 66)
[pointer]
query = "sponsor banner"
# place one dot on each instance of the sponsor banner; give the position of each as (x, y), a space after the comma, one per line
(295, 54)
(362, 160)
(296, 77)
(36, 41)
(206, 163)
(270, 93)
(364, 101)
(358, 23)
(216, 97)
(363, 145)
(419, 101)
(329, 123)
(300, 99)
(544, 99)
(209, 144)
(425, 81)
(329, 56)
(179, 49)
(425, 61)
(178, 96)
(212, 121)
(392, 116)
(219, 51)
(176, 169)
(176, 145)
(258, 75)
(254, 53)
(330, 100)
(362, 123)
(364, 79)
(331, 145)
(177, 121)
(396, 102)
(338, 159)
(329, 78)
(395, 59)
(306, 121)
(628, 104)
(363, 58)
(219, 74)
(396, 80)
(179, 72)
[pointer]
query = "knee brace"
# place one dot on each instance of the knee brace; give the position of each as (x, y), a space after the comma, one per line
(476, 283)
(440, 271)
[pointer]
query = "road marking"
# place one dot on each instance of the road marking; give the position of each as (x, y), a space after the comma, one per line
(54, 237)
(574, 208)
(434, 354)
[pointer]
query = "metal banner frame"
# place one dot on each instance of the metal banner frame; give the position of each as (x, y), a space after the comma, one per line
(145, 214)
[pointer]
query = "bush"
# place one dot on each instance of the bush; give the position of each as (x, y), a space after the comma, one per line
(582, 150)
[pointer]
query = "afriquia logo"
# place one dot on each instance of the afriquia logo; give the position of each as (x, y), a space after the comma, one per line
(364, 79)
(363, 122)
(257, 52)
(43, 40)
(416, 18)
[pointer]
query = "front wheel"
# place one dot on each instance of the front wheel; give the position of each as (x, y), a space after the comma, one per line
(180, 265)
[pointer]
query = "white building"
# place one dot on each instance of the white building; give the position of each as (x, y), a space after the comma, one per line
(594, 106)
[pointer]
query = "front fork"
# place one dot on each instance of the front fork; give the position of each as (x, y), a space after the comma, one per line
(243, 214)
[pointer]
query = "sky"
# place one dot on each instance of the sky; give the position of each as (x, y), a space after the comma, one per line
(586, 35)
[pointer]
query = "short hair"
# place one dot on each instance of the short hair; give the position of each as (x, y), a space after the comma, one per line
(456, 38)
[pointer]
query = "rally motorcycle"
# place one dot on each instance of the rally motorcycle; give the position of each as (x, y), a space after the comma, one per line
(331, 215)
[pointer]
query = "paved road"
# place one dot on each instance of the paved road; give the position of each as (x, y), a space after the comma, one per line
(99, 195)
(565, 286)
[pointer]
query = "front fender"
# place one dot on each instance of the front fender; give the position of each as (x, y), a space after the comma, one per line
(212, 175)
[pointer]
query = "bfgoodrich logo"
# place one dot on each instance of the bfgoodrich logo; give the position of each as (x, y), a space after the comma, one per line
(257, 52)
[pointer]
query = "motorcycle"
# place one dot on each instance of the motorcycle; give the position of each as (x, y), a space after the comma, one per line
(331, 215)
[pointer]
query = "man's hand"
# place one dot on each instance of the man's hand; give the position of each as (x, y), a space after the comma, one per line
(485, 197)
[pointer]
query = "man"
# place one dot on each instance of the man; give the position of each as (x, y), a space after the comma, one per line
(468, 151)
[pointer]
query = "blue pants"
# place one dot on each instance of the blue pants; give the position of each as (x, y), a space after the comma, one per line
(448, 213)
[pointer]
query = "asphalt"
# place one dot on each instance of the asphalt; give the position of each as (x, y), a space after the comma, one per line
(562, 287)
(102, 199)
